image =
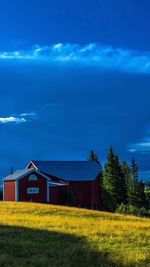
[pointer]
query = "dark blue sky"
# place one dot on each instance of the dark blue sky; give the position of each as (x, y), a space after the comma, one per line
(121, 23)
(74, 76)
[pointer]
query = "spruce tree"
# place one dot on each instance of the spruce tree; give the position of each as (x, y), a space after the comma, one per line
(133, 188)
(93, 156)
(120, 182)
(141, 201)
(125, 169)
(110, 191)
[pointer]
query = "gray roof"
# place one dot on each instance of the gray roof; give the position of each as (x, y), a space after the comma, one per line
(21, 173)
(69, 170)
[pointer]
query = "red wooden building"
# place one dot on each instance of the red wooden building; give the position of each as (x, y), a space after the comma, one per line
(54, 182)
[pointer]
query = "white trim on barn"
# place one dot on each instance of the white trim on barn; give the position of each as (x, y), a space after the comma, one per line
(21, 173)
(33, 190)
(31, 162)
(37, 172)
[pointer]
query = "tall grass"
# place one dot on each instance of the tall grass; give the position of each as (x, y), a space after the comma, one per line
(47, 235)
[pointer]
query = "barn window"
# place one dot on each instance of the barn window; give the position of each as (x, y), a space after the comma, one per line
(33, 190)
(32, 177)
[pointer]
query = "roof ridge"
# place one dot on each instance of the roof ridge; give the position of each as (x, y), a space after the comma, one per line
(64, 160)
(69, 170)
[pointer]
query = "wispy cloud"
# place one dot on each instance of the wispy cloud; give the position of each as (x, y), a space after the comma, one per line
(21, 118)
(90, 54)
(51, 105)
(11, 119)
(140, 147)
(28, 114)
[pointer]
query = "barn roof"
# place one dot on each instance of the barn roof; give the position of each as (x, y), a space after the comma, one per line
(21, 173)
(69, 170)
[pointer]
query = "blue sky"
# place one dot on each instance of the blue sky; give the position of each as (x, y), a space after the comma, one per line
(74, 76)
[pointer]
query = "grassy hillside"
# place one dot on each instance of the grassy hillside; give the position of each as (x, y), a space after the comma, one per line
(45, 235)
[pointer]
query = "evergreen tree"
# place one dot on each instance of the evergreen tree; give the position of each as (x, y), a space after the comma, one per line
(126, 176)
(141, 201)
(133, 184)
(109, 187)
(121, 193)
(93, 156)
(136, 195)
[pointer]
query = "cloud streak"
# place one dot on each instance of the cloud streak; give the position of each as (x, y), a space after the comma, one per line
(139, 147)
(21, 118)
(28, 114)
(105, 57)
(11, 119)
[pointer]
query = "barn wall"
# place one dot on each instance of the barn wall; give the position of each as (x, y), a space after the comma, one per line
(81, 191)
(95, 197)
(9, 190)
(41, 183)
(86, 193)
(58, 195)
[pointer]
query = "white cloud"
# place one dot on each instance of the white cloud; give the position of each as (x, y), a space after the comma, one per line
(57, 46)
(91, 54)
(23, 117)
(28, 114)
(12, 119)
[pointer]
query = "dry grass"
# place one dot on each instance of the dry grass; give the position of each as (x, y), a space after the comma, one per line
(46, 235)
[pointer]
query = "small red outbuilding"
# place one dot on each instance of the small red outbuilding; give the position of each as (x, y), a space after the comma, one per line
(26, 185)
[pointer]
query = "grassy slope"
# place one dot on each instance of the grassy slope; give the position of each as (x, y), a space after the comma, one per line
(45, 235)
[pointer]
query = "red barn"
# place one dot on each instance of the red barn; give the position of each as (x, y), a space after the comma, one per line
(82, 177)
(54, 182)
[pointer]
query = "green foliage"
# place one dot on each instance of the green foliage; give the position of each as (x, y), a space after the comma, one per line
(126, 176)
(114, 184)
(147, 185)
(121, 184)
(135, 188)
(141, 194)
(108, 201)
(147, 199)
(93, 156)
(110, 181)
(133, 184)
(133, 210)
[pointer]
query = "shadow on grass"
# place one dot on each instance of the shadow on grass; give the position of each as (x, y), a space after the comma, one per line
(20, 246)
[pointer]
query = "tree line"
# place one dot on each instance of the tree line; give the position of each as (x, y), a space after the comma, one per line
(120, 184)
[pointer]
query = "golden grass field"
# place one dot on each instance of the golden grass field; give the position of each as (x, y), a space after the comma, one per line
(46, 235)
